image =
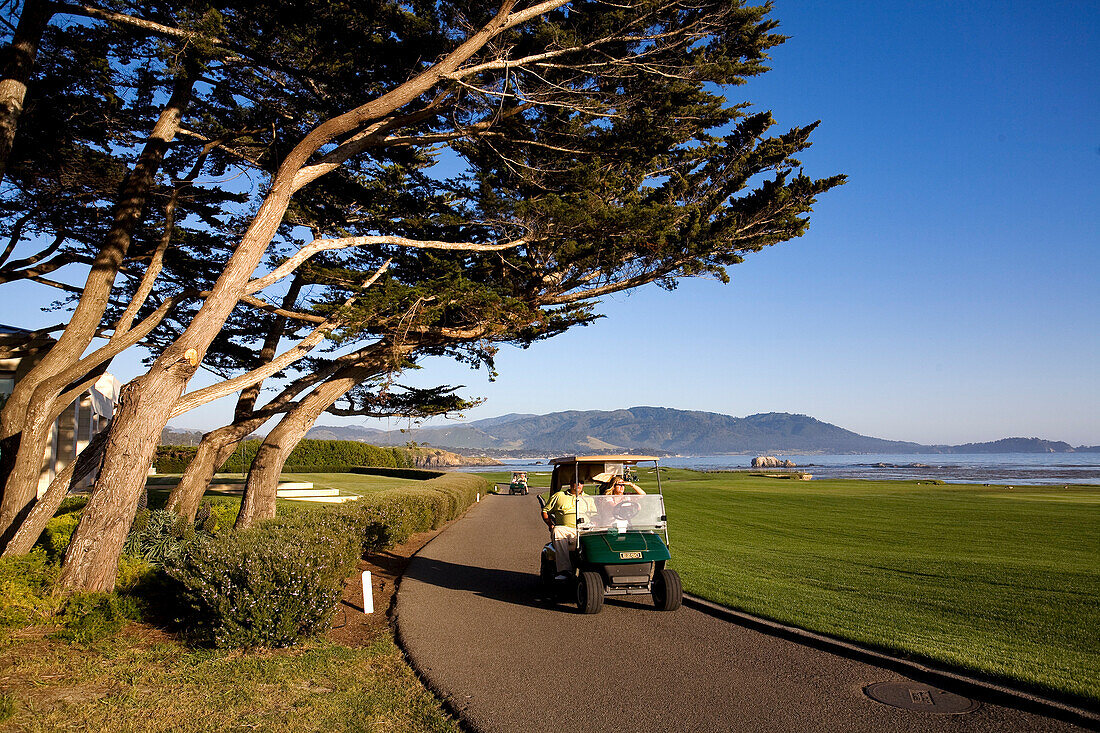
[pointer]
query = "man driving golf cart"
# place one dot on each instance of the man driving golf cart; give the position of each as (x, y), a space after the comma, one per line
(614, 544)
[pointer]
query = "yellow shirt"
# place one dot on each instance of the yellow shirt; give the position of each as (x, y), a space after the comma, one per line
(562, 509)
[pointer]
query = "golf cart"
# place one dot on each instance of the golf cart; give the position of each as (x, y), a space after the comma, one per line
(622, 541)
(519, 483)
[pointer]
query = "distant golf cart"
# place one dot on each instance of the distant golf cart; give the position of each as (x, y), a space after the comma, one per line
(622, 541)
(519, 483)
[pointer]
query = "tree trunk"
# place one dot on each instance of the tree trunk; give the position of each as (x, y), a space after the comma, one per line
(16, 65)
(217, 445)
(263, 476)
(33, 398)
(91, 561)
(214, 450)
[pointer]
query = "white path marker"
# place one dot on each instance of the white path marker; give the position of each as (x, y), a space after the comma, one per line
(479, 496)
(368, 593)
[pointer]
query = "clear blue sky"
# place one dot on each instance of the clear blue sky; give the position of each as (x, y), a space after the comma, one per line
(950, 292)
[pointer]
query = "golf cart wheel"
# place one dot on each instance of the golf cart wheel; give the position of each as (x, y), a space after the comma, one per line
(590, 592)
(667, 591)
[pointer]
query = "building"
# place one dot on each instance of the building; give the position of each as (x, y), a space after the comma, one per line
(20, 350)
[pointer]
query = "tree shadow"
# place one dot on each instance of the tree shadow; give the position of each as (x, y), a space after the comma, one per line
(508, 586)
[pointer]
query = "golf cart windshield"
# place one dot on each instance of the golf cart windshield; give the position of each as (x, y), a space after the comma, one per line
(620, 513)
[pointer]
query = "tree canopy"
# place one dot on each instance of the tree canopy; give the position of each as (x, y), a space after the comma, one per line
(241, 182)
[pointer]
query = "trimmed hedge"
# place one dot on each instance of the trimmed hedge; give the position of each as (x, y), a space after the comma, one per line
(309, 456)
(281, 581)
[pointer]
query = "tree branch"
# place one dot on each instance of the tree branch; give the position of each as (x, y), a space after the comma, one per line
(217, 391)
(324, 245)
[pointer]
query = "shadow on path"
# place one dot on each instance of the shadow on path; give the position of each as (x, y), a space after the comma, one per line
(509, 586)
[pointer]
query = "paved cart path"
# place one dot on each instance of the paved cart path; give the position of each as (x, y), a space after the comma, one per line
(471, 617)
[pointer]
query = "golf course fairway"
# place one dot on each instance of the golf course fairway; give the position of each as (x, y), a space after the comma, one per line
(1001, 581)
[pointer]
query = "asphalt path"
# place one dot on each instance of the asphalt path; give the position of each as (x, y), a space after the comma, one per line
(474, 621)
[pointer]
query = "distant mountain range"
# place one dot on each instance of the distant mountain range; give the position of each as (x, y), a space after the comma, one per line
(663, 431)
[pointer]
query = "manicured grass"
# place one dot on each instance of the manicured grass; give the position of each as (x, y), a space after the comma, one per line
(351, 483)
(1003, 582)
(141, 679)
(126, 684)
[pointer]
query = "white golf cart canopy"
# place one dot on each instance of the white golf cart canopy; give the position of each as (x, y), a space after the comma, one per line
(569, 469)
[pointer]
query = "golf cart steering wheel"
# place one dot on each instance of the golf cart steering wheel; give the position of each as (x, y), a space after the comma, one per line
(626, 509)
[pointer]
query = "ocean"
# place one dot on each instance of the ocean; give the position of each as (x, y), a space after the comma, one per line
(984, 468)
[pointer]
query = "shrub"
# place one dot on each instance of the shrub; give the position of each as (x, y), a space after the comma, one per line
(25, 589)
(158, 535)
(88, 617)
(309, 456)
(281, 580)
(58, 533)
(174, 458)
(222, 514)
(267, 587)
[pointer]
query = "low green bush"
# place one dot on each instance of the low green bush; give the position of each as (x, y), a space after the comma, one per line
(309, 456)
(26, 583)
(89, 617)
(159, 535)
(280, 581)
(174, 458)
(58, 533)
(218, 514)
(259, 588)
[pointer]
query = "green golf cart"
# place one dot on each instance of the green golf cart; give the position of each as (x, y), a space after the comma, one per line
(519, 483)
(622, 541)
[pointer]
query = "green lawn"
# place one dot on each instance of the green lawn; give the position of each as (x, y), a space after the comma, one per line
(351, 483)
(347, 483)
(127, 684)
(1005, 582)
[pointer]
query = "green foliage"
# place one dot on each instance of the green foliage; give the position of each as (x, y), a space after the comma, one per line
(89, 617)
(309, 456)
(71, 504)
(280, 581)
(217, 515)
(994, 581)
(26, 583)
(158, 535)
(259, 588)
(59, 530)
(57, 534)
(174, 458)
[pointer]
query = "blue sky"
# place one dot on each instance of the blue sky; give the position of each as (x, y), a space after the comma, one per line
(950, 292)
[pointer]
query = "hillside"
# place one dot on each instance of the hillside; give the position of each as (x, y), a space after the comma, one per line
(665, 431)
(638, 430)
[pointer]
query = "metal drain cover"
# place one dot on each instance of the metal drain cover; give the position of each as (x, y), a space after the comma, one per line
(922, 698)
